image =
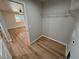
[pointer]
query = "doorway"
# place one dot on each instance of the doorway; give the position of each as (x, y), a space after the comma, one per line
(14, 19)
(13, 14)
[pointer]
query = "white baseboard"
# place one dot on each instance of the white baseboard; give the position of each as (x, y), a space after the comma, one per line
(66, 51)
(53, 40)
(36, 39)
(58, 42)
(49, 38)
(16, 27)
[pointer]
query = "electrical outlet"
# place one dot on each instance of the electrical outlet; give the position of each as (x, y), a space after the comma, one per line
(73, 42)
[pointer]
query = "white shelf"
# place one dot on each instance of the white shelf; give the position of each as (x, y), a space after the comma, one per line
(74, 4)
(74, 9)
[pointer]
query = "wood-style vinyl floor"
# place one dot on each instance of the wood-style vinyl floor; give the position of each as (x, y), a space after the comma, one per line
(43, 48)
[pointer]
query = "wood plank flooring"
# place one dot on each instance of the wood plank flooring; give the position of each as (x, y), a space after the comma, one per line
(43, 48)
(19, 34)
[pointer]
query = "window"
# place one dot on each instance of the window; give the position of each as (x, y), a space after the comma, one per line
(19, 18)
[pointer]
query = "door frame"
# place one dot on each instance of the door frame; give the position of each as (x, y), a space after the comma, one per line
(25, 19)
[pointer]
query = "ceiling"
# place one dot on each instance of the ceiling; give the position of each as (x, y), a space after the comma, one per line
(10, 6)
(43, 0)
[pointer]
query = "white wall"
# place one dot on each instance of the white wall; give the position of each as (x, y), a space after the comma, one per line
(1, 57)
(74, 47)
(11, 21)
(33, 16)
(55, 24)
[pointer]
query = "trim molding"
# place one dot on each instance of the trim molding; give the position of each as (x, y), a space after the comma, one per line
(51, 39)
(66, 51)
(55, 40)
(36, 39)
(58, 42)
(16, 27)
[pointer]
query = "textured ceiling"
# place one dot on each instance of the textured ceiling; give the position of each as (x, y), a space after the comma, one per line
(43, 0)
